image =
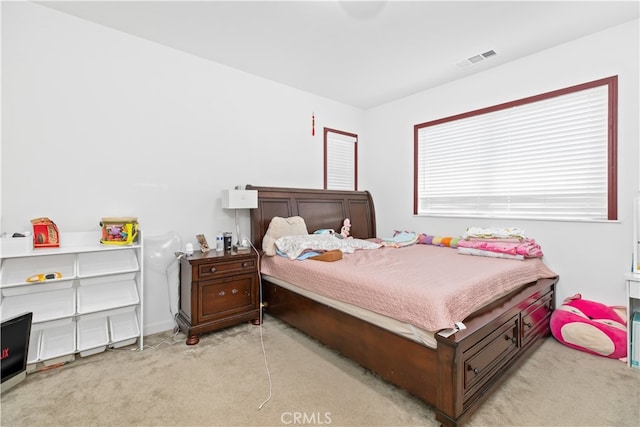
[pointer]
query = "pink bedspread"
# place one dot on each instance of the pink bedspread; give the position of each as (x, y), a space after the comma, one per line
(427, 286)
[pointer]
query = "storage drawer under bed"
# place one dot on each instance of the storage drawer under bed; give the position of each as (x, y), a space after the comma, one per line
(489, 354)
(535, 318)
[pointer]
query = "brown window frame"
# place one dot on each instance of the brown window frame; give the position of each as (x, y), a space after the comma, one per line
(612, 151)
(355, 156)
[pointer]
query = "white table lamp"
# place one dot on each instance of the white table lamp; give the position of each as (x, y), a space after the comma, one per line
(239, 199)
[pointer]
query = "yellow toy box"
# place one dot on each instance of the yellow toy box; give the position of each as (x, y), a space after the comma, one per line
(119, 230)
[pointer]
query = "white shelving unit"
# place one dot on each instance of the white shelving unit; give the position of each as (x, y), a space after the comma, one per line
(633, 305)
(96, 304)
(633, 280)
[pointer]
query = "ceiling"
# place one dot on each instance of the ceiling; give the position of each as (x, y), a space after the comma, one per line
(358, 53)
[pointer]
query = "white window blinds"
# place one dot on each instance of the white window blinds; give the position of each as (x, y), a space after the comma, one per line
(546, 159)
(340, 160)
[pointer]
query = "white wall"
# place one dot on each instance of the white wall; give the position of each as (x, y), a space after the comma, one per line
(98, 123)
(591, 258)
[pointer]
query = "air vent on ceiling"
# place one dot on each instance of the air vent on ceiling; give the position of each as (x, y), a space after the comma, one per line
(476, 58)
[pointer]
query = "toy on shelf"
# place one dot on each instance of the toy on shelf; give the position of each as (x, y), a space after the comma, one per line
(45, 233)
(42, 277)
(119, 230)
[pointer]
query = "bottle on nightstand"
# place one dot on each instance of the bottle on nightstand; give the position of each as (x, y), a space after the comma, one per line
(219, 243)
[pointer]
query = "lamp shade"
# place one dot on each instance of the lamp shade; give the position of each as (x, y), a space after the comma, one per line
(239, 199)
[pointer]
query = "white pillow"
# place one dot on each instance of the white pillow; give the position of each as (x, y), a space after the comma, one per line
(278, 227)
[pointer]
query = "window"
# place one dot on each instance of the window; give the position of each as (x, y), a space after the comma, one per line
(340, 160)
(550, 156)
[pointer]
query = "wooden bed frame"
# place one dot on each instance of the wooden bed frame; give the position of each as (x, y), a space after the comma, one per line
(458, 376)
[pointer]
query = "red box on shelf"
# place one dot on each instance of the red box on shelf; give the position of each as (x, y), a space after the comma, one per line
(45, 233)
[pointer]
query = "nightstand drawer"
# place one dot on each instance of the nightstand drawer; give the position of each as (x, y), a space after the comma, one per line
(221, 298)
(215, 269)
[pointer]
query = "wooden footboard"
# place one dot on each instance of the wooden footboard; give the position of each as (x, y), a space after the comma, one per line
(473, 362)
(456, 377)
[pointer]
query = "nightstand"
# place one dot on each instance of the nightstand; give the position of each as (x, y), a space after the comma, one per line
(217, 290)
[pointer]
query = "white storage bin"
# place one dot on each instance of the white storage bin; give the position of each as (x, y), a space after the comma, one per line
(103, 262)
(46, 301)
(36, 288)
(92, 334)
(92, 351)
(17, 270)
(112, 292)
(58, 339)
(34, 345)
(123, 325)
(124, 343)
(12, 246)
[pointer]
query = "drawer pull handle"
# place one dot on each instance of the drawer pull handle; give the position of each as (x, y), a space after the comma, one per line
(221, 293)
(234, 291)
(528, 325)
(512, 339)
(246, 264)
(213, 270)
(474, 370)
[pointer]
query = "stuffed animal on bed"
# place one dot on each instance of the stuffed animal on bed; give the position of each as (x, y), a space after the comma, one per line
(346, 228)
(591, 327)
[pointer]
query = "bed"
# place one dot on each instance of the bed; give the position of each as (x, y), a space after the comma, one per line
(453, 369)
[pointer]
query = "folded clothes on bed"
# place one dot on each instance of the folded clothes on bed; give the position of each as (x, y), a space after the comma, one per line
(494, 233)
(509, 241)
(400, 239)
(528, 247)
(480, 252)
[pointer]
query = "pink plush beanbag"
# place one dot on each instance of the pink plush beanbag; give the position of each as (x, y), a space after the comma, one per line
(591, 327)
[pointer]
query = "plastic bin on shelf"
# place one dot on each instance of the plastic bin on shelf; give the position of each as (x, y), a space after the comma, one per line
(16, 245)
(92, 334)
(104, 293)
(47, 301)
(33, 354)
(18, 270)
(58, 339)
(103, 262)
(124, 327)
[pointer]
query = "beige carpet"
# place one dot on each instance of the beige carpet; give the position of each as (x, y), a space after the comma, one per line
(222, 381)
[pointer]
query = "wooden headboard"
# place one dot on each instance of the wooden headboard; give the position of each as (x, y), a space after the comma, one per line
(319, 208)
